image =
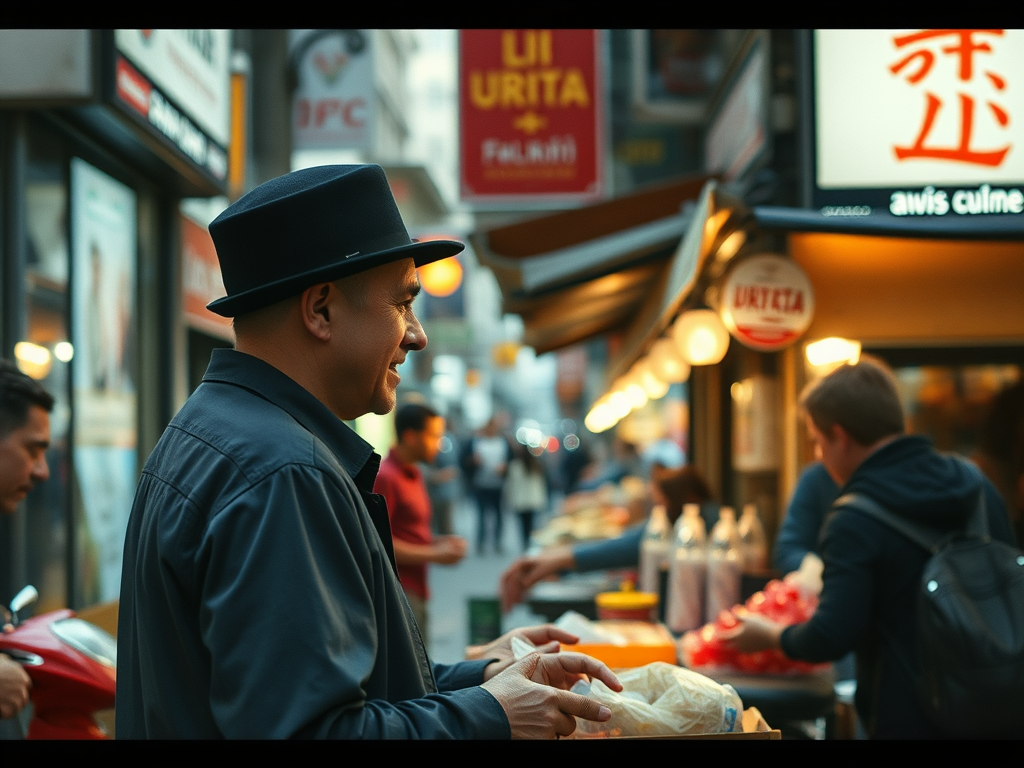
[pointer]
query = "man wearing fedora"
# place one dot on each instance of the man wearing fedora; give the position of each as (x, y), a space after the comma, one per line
(259, 595)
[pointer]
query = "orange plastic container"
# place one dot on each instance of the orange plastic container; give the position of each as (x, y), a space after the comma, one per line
(635, 643)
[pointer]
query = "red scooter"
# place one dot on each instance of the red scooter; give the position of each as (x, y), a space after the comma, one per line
(72, 664)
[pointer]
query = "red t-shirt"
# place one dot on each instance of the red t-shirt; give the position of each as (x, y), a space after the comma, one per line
(403, 489)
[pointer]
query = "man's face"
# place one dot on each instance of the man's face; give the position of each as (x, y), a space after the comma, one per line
(830, 450)
(377, 329)
(424, 446)
(23, 459)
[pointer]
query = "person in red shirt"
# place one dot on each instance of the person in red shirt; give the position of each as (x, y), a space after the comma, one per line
(419, 429)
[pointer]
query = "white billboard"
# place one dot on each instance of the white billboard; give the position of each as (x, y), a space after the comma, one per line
(905, 108)
(191, 66)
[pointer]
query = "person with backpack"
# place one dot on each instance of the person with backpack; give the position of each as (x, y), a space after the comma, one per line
(873, 597)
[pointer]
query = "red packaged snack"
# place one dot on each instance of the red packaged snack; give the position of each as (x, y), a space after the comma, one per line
(778, 601)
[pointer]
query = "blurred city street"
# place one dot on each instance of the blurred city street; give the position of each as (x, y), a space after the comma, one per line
(476, 576)
(594, 276)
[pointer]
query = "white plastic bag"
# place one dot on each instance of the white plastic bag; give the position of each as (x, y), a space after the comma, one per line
(662, 699)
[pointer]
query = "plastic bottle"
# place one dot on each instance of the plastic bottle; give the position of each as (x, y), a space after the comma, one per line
(725, 565)
(654, 550)
(687, 572)
(753, 541)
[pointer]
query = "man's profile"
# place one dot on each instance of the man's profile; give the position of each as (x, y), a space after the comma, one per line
(259, 592)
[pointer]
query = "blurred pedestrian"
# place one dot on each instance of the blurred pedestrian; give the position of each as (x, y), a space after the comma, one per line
(443, 487)
(419, 430)
(485, 459)
(526, 490)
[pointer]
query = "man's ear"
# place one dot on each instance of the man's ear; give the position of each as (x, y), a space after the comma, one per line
(314, 305)
(837, 432)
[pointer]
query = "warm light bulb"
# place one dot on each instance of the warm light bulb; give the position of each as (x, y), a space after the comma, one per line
(441, 278)
(833, 350)
(666, 362)
(701, 337)
(32, 359)
(63, 351)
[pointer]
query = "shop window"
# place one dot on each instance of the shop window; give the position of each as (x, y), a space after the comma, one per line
(949, 403)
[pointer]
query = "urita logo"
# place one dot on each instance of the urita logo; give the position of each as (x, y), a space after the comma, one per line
(965, 202)
(331, 67)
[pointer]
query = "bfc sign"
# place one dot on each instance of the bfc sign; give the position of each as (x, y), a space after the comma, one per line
(530, 115)
(933, 117)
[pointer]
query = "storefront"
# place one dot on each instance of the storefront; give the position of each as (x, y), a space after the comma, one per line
(103, 134)
(911, 240)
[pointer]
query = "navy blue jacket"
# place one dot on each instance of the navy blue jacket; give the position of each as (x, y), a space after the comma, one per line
(259, 596)
(872, 575)
(801, 530)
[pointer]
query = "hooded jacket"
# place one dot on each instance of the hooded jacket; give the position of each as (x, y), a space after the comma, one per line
(871, 577)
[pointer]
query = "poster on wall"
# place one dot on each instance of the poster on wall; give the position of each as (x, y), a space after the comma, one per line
(531, 111)
(333, 104)
(103, 251)
(920, 122)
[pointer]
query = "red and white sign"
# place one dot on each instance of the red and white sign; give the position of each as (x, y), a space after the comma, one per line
(531, 114)
(767, 302)
(191, 67)
(201, 280)
(139, 94)
(899, 108)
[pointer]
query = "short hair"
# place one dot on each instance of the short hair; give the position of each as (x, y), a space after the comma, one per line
(861, 398)
(17, 393)
(413, 416)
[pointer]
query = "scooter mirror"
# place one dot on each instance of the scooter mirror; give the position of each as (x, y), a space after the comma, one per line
(27, 596)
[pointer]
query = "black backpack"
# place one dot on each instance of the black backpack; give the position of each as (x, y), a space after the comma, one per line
(970, 625)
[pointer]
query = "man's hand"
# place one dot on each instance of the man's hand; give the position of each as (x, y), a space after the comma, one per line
(449, 549)
(534, 694)
(15, 685)
(445, 550)
(527, 571)
(754, 633)
(546, 637)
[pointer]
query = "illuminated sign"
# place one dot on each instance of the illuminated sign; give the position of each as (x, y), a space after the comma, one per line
(531, 108)
(767, 303)
(175, 83)
(923, 122)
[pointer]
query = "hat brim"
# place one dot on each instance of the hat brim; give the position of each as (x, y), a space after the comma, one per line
(271, 293)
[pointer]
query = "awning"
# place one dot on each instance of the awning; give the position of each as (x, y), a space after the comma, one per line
(839, 221)
(577, 274)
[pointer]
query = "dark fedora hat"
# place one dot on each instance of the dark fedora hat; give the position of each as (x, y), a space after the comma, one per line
(311, 226)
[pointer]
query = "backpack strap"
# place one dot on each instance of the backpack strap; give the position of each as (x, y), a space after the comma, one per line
(921, 535)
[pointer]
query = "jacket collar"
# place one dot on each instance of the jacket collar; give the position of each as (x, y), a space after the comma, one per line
(229, 366)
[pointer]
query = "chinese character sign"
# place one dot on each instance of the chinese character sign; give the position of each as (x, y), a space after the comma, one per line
(930, 106)
(530, 115)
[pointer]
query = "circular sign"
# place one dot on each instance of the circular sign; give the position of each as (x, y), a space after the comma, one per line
(767, 302)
